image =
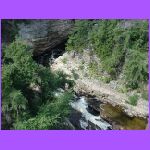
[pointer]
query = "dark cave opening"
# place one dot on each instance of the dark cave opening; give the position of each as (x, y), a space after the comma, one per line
(47, 58)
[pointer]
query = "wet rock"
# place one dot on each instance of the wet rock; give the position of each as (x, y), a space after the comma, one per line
(107, 93)
(74, 118)
(92, 126)
(87, 120)
(68, 124)
(94, 104)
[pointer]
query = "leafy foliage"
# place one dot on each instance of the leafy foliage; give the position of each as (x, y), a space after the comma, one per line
(121, 45)
(64, 60)
(78, 38)
(50, 115)
(93, 69)
(145, 95)
(27, 96)
(136, 68)
(133, 100)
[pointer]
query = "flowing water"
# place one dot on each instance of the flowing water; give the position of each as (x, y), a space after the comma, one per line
(90, 113)
(88, 120)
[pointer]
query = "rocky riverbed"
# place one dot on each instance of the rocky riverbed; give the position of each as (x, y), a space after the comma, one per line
(92, 86)
(102, 106)
(89, 118)
(89, 113)
(96, 105)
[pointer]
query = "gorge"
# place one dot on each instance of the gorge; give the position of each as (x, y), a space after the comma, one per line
(100, 100)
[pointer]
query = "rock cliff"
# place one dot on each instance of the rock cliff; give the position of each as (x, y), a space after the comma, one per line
(43, 35)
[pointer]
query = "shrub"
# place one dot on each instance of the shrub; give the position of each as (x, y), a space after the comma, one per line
(145, 95)
(123, 89)
(50, 115)
(93, 69)
(120, 47)
(106, 79)
(27, 108)
(136, 69)
(133, 100)
(64, 60)
(78, 38)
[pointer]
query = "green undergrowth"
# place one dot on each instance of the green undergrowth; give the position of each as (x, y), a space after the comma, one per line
(24, 107)
(133, 100)
(121, 45)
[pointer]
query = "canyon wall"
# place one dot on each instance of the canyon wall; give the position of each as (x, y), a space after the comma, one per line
(43, 35)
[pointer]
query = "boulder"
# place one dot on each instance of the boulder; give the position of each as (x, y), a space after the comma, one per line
(44, 35)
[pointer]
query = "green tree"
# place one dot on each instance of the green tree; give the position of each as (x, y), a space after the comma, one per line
(29, 108)
(121, 45)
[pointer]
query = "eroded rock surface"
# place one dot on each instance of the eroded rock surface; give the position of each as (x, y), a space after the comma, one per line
(102, 91)
(43, 35)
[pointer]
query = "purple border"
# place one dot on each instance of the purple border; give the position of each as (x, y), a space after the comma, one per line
(73, 9)
(0, 74)
(68, 9)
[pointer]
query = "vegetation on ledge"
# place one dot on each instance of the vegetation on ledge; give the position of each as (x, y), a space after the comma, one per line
(121, 45)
